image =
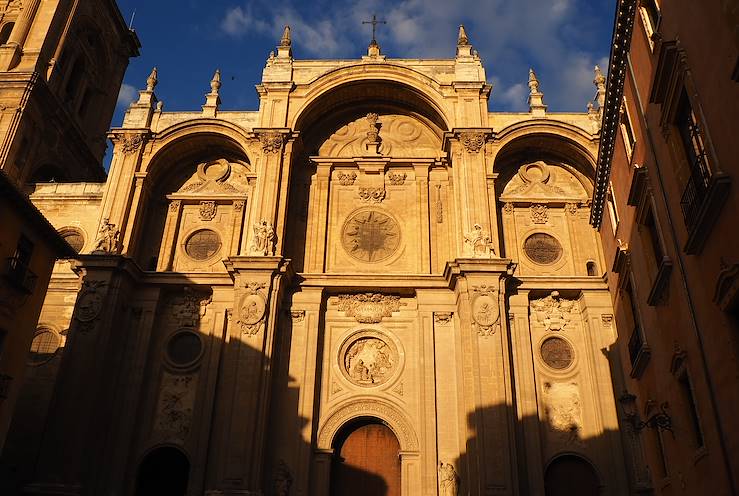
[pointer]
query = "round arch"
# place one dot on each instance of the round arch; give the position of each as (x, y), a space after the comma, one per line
(364, 408)
(571, 474)
(425, 93)
(198, 137)
(163, 469)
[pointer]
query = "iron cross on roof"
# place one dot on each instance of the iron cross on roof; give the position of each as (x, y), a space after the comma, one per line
(374, 23)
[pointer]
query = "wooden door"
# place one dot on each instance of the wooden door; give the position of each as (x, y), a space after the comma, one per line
(367, 463)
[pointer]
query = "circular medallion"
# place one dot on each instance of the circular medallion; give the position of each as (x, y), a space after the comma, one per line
(368, 359)
(202, 244)
(74, 238)
(184, 348)
(370, 236)
(542, 248)
(89, 305)
(485, 311)
(43, 347)
(216, 170)
(251, 309)
(557, 353)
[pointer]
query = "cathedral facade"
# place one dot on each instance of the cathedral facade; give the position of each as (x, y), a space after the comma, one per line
(372, 283)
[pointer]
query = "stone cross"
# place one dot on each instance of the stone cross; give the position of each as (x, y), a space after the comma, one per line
(374, 23)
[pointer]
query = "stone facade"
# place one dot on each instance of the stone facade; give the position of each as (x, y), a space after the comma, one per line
(371, 245)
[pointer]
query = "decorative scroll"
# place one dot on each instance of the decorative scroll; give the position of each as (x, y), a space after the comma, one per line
(369, 308)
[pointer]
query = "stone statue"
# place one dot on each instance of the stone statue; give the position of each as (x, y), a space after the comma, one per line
(152, 80)
(282, 480)
(478, 242)
(448, 480)
(108, 238)
(264, 238)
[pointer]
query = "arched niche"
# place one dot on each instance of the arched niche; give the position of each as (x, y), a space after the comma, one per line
(163, 470)
(543, 186)
(196, 183)
(571, 475)
(333, 128)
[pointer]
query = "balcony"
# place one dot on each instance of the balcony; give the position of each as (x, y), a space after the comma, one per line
(701, 203)
(639, 353)
(18, 275)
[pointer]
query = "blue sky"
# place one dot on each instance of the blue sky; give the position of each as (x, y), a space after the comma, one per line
(188, 39)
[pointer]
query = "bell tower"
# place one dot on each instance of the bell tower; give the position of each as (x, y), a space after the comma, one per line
(61, 66)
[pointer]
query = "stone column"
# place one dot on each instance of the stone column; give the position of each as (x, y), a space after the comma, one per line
(487, 395)
(10, 54)
(240, 422)
(321, 480)
(169, 239)
(317, 218)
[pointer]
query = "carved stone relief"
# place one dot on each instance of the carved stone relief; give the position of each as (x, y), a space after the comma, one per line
(571, 208)
(346, 178)
(271, 142)
(263, 243)
(508, 208)
(297, 316)
(438, 206)
(372, 195)
(396, 178)
(175, 406)
(553, 312)
(563, 411)
(443, 318)
(89, 305)
(368, 359)
(401, 136)
(189, 308)
(543, 248)
(472, 141)
(208, 210)
(251, 308)
(369, 308)
(485, 310)
(539, 214)
(132, 143)
(478, 244)
(370, 236)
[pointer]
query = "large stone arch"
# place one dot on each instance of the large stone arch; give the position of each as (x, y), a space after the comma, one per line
(368, 407)
(176, 139)
(426, 89)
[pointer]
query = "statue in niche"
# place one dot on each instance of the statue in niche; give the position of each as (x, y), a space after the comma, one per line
(448, 480)
(108, 238)
(264, 238)
(478, 243)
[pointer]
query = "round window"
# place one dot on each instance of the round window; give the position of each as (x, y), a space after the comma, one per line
(43, 347)
(557, 353)
(74, 238)
(184, 348)
(542, 248)
(203, 244)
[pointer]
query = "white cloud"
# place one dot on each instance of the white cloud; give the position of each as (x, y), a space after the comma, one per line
(238, 21)
(513, 98)
(126, 95)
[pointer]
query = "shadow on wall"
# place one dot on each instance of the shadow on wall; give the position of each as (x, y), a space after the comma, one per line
(168, 396)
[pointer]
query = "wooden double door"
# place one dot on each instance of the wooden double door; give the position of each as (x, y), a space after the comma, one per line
(366, 462)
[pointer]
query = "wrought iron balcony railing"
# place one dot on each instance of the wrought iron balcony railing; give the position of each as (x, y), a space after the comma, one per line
(19, 275)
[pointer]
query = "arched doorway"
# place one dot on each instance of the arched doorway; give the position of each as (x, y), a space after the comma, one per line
(163, 472)
(570, 475)
(366, 460)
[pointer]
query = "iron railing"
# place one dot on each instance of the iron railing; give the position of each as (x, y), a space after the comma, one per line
(19, 275)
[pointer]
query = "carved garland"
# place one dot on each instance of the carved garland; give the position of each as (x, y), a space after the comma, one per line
(373, 195)
(132, 143)
(271, 142)
(369, 308)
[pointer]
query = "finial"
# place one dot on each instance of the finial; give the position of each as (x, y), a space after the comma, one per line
(215, 83)
(533, 82)
(600, 84)
(285, 41)
(462, 38)
(152, 80)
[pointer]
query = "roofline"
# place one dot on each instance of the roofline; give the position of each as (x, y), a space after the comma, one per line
(11, 194)
(622, 28)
